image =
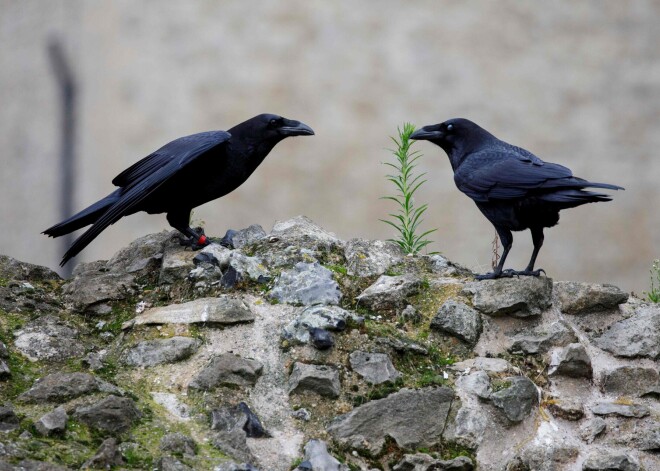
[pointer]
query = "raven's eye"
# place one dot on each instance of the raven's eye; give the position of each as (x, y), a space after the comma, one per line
(273, 123)
(450, 127)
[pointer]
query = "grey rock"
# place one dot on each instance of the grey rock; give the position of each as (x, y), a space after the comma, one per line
(94, 284)
(321, 338)
(176, 265)
(302, 414)
(227, 370)
(316, 454)
(243, 237)
(477, 384)
(141, 256)
(444, 267)
(410, 314)
(493, 365)
(556, 453)
(610, 460)
(169, 463)
(307, 284)
(331, 318)
(371, 257)
(592, 428)
(540, 341)
(5, 372)
(248, 268)
(33, 465)
(389, 292)
(303, 232)
(52, 423)
(112, 415)
(214, 254)
(413, 418)
(50, 339)
(375, 368)
(234, 425)
(8, 419)
(424, 462)
(233, 466)
(458, 320)
(60, 387)
(637, 336)
(573, 360)
(4, 353)
(223, 310)
(567, 408)
(518, 400)
(107, 456)
(469, 426)
(12, 269)
(402, 345)
(649, 439)
(581, 298)
(178, 444)
(623, 410)
(93, 361)
(320, 379)
(171, 403)
(631, 381)
(159, 351)
(517, 297)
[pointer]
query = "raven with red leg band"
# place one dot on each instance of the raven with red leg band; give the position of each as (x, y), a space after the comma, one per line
(182, 175)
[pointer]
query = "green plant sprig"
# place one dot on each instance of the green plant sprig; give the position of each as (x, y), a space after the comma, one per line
(654, 294)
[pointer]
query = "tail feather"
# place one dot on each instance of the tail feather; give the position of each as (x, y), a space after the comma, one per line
(84, 218)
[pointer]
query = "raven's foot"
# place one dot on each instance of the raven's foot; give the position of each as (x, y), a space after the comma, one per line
(195, 243)
(495, 275)
(530, 272)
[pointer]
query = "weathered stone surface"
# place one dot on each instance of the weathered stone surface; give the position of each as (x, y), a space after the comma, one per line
(60, 387)
(8, 419)
(34, 465)
(234, 425)
(303, 232)
(580, 298)
(318, 458)
(610, 460)
(112, 415)
(248, 268)
(143, 255)
(320, 379)
(227, 370)
(637, 336)
(413, 418)
(106, 457)
(12, 269)
(375, 368)
(410, 315)
(518, 297)
(52, 423)
(493, 365)
(477, 383)
(623, 410)
(214, 254)
(5, 371)
(50, 339)
(331, 318)
(243, 237)
(169, 463)
(573, 361)
(307, 284)
(459, 320)
(649, 439)
(631, 381)
(94, 284)
(321, 338)
(171, 403)
(177, 263)
(159, 351)
(592, 428)
(566, 408)
(179, 444)
(444, 267)
(223, 310)
(371, 257)
(552, 454)
(558, 334)
(389, 292)
(424, 462)
(233, 466)
(517, 400)
(469, 427)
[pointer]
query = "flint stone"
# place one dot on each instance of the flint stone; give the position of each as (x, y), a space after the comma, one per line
(477, 383)
(637, 336)
(106, 457)
(592, 428)
(60, 387)
(389, 292)
(610, 460)
(12, 269)
(631, 381)
(142, 255)
(250, 268)
(47, 338)
(321, 338)
(375, 368)
(424, 462)
(307, 284)
(8, 419)
(518, 400)
(243, 237)
(623, 410)
(413, 418)
(459, 320)
(169, 463)
(371, 257)
(582, 298)
(233, 426)
(572, 361)
(227, 370)
(213, 254)
(223, 310)
(315, 317)
(178, 444)
(320, 379)
(303, 232)
(159, 351)
(316, 454)
(4, 353)
(5, 372)
(112, 415)
(52, 423)
(517, 297)
(95, 285)
(557, 335)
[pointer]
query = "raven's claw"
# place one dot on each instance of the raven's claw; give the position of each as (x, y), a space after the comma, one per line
(195, 243)
(530, 272)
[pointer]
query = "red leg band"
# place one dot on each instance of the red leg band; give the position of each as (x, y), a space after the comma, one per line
(202, 239)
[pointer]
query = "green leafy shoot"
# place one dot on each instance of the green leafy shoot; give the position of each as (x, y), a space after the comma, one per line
(407, 217)
(654, 294)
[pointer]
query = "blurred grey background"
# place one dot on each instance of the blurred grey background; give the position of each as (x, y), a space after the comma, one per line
(577, 83)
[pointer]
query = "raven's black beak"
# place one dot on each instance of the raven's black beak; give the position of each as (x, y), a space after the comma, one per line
(295, 128)
(427, 133)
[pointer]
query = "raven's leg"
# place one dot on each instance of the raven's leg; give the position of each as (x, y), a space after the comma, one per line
(507, 241)
(179, 220)
(537, 239)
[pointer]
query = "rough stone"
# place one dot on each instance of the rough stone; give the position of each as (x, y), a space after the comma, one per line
(8, 419)
(331, 318)
(60, 387)
(233, 466)
(12, 269)
(303, 232)
(566, 408)
(171, 403)
(227, 369)
(321, 338)
(558, 334)
(243, 237)
(5, 371)
(631, 381)
(413, 418)
(517, 297)
(573, 361)
(94, 284)
(106, 457)
(34, 465)
(517, 400)
(637, 336)
(553, 453)
(610, 460)
(649, 439)
(477, 383)
(112, 415)
(402, 345)
(389, 292)
(52, 423)
(316, 454)
(424, 462)
(50, 339)
(375, 368)
(302, 414)
(459, 320)
(234, 425)
(320, 379)
(410, 314)
(592, 428)
(581, 298)
(371, 257)
(492, 365)
(223, 310)
(444, 267)
(176, 265)
(307, 284)
(623, 410)
(169, 463)
(159, 351)
(141, 256)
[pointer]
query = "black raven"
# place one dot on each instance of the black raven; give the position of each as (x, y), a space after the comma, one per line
(182, 175)
(512, 187)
